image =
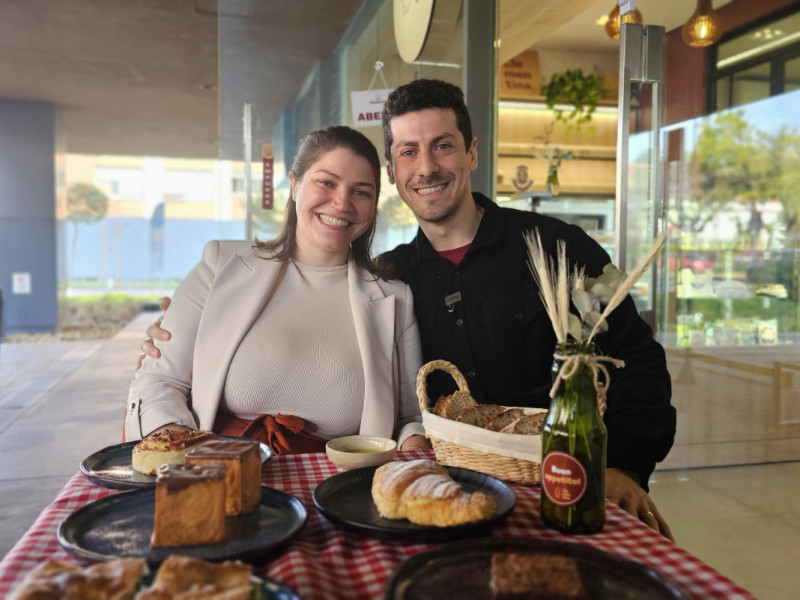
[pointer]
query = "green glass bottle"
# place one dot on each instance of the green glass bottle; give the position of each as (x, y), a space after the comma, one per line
(574, 451)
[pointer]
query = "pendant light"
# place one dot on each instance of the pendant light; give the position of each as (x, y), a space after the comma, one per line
(613, 24)
(704, 27)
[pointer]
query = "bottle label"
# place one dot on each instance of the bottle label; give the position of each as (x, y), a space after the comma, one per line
(563, 478)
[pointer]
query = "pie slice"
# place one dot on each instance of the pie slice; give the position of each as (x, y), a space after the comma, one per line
(185, 578)
(114, 580)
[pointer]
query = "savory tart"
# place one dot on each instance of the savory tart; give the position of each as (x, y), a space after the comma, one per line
(166, 447)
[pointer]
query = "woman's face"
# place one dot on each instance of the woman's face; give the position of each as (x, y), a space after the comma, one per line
(335, 204)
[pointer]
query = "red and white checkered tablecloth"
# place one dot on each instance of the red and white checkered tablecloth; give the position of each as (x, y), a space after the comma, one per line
(326, 562)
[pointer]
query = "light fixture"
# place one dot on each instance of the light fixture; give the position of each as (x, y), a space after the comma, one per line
(613, 24)
(704, 27)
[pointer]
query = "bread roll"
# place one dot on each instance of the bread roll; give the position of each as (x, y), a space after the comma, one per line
(423, 492)
(451, 406)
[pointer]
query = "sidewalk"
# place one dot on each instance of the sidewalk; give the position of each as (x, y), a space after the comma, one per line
(59, 402)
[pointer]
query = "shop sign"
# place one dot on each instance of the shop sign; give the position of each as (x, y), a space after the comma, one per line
(367, 107)
(412, 21)
(520, 77)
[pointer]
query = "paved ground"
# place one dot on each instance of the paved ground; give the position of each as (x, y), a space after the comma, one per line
(59, 402)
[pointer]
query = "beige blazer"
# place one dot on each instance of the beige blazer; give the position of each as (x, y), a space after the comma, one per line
(215, 306)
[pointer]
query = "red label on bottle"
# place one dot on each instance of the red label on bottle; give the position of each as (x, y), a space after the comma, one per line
(563, 478)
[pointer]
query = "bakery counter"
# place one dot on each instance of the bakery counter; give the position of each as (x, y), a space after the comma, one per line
(324, 561)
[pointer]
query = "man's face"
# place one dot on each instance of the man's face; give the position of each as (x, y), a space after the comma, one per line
(430, 164)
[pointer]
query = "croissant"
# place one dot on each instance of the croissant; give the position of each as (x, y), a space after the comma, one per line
(423, 492)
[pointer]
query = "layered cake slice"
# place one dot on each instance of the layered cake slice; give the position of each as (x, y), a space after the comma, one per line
(537, 575)
(190, 505)
(242, 460)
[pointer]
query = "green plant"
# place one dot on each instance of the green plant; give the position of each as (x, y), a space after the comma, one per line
(578, 92)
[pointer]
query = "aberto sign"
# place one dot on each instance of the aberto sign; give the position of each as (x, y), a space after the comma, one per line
(367, 107)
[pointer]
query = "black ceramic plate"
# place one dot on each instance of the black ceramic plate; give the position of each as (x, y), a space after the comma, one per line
(346, 500)
(111, 466)
(463, 570)
(263, 589)
(120, 526)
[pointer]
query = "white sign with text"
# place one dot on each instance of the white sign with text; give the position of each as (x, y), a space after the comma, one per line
(367, 107)
(20, 283)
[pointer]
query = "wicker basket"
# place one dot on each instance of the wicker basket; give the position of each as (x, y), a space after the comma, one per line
(489, 458)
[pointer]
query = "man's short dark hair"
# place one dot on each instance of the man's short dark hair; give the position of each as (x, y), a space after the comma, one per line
(419, 95)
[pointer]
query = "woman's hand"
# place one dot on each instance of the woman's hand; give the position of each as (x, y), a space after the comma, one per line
(630, 497)
(154, 332)
(416, 442)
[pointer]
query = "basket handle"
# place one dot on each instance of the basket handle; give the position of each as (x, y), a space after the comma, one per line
(434, 365)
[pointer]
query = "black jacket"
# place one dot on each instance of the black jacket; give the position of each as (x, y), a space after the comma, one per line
(500, 337)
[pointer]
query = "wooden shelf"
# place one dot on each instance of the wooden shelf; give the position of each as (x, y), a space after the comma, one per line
(521, 149)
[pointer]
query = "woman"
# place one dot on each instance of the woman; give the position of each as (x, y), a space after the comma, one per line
(297, 340)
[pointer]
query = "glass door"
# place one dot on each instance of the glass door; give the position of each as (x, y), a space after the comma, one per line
(719, 176)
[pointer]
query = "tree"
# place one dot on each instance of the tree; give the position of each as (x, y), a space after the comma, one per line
(86, 204)
(731, 161)
(785, 153)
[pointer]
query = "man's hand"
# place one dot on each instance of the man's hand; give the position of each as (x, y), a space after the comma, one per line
(154, 332)
(625, 492)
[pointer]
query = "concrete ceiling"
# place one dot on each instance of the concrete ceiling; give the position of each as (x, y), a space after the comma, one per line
(143, 76)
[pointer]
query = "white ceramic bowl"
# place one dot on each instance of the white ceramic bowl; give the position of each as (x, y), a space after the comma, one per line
(354, 451)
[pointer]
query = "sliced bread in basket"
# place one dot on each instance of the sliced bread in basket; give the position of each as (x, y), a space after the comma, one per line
(459, 443)
(453, 405)
(506, 417)
(480, 414)
(526, 425)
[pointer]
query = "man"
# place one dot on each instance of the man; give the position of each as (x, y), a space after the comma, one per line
(478, 305)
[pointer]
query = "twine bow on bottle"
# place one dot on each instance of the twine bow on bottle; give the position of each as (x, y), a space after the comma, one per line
(570, 364)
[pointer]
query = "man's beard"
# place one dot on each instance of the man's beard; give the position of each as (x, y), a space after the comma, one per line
(447, 212)
(443, 213)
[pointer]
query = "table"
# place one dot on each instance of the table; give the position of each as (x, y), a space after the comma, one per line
(326, 562)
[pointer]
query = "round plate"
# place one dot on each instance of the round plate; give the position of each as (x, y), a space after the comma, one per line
(111, 467)
(120, 526)
(463, 570)
(263, 588)
(346, 500)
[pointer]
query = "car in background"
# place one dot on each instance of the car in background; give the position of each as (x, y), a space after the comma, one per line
(698, 263)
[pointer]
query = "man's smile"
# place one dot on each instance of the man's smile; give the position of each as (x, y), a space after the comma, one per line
(424, 191)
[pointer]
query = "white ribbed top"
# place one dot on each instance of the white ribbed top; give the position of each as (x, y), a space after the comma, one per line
(301, 356)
